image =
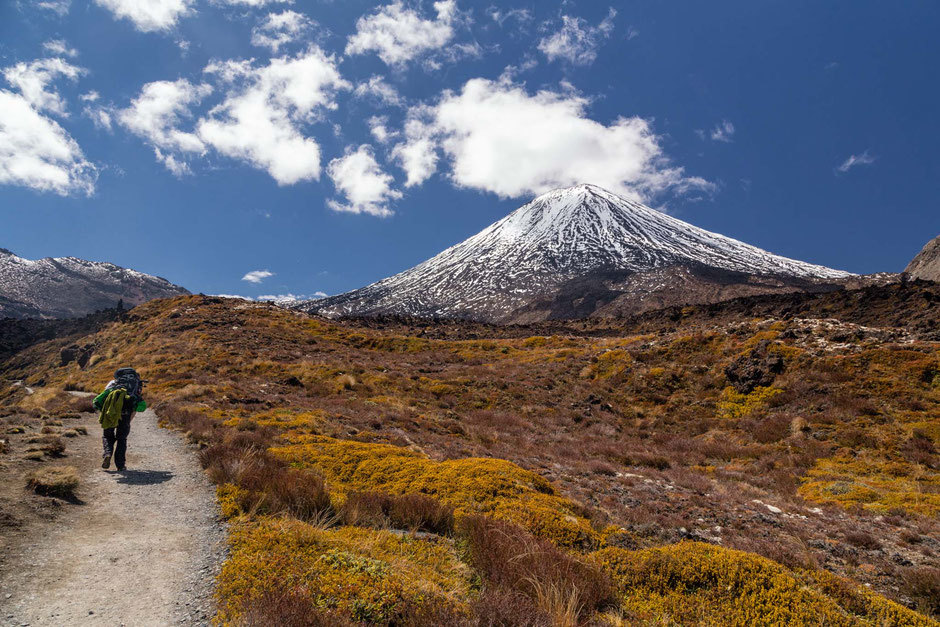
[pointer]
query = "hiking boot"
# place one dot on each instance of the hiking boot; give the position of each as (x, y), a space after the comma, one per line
(106, 462)
(121, 468)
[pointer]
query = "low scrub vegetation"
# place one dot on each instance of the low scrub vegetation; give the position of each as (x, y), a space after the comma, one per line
(372, 475)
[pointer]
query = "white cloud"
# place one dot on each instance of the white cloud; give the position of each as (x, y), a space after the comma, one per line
(257, 276)
(500, 17)
(856, 160)
(34, 80)
(279, 29)
(378, 88)
(61, 7)
(148, 15)
(577, 42)
(254, 3)
(156, 114)
(723, 132)
(417, 155)
(36, 152)
(59, 47)
(378, 126)
(359, 178)
(499, 138)
(91, 96)
(261, 119)
(101, 117)
(398, 34)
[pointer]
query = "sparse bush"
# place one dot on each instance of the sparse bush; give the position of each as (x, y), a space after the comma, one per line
(509, 557)
(923, 586)
(862, 540)
(58, 481)
(414, 512)
(295, 607)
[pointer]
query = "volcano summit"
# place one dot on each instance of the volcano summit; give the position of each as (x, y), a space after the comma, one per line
(576, 252)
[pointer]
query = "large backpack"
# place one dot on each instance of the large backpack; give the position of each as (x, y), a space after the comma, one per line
(129, 380)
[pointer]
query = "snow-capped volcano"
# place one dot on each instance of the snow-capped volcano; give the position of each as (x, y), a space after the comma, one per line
(574, 244)
(66, 287)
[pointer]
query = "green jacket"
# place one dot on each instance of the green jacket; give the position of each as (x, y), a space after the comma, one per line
(110, 403)
(111, 411)
(101, 398)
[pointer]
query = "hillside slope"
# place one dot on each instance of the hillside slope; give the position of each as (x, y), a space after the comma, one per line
(746, 472)
(66, 287)
(572, 252)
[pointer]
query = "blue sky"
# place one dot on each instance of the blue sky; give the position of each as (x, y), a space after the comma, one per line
(322, 145)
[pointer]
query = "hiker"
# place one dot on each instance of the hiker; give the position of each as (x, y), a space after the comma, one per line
(118, 403)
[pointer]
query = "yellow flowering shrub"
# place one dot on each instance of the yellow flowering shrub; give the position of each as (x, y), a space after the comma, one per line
(736, 405)
(472, 485)
(874, 484)
(693, 583)
(374, 575)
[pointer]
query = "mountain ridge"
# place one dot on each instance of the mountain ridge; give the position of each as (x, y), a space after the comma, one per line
(581, 234)
(69, 287)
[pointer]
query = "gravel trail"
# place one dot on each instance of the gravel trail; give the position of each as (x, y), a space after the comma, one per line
(142, 547)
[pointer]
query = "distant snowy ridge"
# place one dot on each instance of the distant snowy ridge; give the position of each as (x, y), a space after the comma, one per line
(563, 236)
(65, 287)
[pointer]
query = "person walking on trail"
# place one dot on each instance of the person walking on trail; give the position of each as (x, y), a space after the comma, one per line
(120, 400)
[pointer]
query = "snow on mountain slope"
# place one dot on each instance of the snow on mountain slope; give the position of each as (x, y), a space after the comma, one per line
(564, 236)
(66, 287)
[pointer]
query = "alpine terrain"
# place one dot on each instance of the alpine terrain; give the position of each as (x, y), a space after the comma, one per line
(926, 265)
(66, 287)
(577, 252)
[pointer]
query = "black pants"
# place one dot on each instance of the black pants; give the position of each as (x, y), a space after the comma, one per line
(117, 435)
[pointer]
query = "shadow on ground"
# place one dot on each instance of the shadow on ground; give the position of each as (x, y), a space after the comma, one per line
(143, 477)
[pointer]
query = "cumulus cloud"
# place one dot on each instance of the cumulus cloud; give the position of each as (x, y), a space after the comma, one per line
(260, 121)
(36, 152)
(398, 34)
(279, 29)
(499, 138)
(359, 178)
(378, 126)
(723, 132)
(378, 88)
(148, 15)
(257, 276)
(156, 114)
(576, 41)
(59, 47)
(34, 81)
(855, 160)
(417, 155)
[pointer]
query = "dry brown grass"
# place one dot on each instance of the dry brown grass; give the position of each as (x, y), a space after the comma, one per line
(57, 481)
(559, 585)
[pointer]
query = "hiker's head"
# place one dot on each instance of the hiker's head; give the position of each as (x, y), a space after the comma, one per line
(123, 372)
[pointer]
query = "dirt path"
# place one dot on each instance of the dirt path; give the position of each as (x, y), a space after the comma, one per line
(141, 548)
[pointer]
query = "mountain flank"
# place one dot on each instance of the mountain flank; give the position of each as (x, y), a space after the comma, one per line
(926, 265)
(67, 287)
(578, 252)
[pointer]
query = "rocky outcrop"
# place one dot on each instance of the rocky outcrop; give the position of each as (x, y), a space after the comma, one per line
(926, 265)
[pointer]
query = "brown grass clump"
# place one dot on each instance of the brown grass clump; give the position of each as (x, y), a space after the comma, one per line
(266, 485)
(58, 481)
(517, 563)
(413, 512)
(923, 586)
(294, 607)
